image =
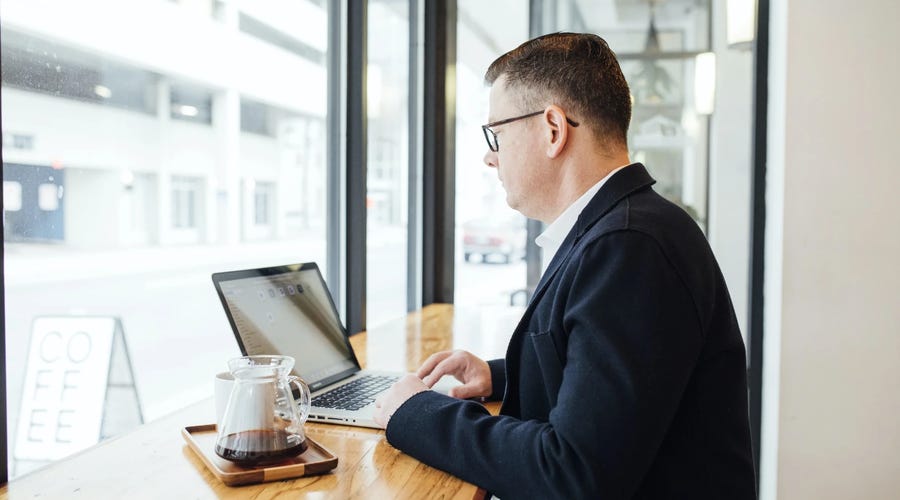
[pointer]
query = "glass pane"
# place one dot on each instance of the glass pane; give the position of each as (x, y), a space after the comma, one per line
(388, 157)
(490, 236)
(657, 44)
(691, 116)
(134, 167)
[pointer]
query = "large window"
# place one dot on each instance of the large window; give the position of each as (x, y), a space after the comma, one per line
(135, 166)
(490, 236)
(143, 150)
(691, 112)
(690, 126)
(387, 196)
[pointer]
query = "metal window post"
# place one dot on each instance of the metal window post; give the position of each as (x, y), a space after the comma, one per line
(439, 168)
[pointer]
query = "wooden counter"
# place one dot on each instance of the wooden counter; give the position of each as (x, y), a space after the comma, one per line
(155, 462)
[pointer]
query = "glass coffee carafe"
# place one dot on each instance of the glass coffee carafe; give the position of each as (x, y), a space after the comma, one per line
(262, 422)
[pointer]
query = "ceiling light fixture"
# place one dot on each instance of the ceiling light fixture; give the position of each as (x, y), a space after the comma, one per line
(103, 91)
(186, 110)
(741, 23)
(705, 83)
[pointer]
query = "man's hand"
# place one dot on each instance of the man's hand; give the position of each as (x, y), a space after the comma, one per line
(387, 403)
(472, 371)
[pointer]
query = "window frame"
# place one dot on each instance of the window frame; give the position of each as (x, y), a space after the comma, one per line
(439, 159)
(4, 466)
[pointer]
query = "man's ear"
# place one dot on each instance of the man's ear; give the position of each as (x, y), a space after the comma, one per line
(557, 130)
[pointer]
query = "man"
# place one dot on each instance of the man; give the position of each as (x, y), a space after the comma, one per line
(626, 377)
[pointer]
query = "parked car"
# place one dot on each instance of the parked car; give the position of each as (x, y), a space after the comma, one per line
(489, 237)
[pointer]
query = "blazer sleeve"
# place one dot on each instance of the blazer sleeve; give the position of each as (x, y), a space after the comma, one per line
(498, 378)
(633, 336)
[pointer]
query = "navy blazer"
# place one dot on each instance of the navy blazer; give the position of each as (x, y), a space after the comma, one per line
(625, 378)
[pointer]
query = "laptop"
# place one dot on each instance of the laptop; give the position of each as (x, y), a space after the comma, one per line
(288, 310)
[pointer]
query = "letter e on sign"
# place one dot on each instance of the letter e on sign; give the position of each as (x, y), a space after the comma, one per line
(65, 386)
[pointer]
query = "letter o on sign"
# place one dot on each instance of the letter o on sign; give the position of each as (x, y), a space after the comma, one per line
(79, 347)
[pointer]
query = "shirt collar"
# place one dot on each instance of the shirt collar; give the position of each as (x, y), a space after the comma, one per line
(556, 232)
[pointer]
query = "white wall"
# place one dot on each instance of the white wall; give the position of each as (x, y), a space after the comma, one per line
(97, 145)
(71, 133)
(832, 387)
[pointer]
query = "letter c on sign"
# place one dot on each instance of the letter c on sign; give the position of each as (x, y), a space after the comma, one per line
(50, 356)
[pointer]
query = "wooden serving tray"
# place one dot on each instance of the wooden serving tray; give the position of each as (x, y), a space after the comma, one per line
(202, 439)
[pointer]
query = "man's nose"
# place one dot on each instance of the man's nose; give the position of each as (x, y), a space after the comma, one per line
(490, 159)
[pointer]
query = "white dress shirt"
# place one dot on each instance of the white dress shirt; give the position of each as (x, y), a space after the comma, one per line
(556, 232)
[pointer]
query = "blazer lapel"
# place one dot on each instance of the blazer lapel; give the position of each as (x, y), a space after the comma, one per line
(617, 187)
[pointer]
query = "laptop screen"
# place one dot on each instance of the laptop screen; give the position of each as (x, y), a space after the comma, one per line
(287, 310)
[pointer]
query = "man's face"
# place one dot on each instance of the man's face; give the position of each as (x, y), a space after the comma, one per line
(520, 163)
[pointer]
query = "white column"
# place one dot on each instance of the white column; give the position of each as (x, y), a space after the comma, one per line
(730, 165)
(163, 173)
(226, 184)
(225, 200)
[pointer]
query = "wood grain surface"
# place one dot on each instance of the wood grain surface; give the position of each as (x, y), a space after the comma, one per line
(154, 461)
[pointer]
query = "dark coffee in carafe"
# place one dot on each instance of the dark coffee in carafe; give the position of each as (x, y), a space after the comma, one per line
(259, 447)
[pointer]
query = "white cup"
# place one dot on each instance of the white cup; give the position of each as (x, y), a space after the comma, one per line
(224, 384)
(256, 407)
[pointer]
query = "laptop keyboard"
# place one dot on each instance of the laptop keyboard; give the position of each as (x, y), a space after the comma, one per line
(354, 395)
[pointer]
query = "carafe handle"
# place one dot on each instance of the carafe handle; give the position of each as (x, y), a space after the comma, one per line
(304, 396)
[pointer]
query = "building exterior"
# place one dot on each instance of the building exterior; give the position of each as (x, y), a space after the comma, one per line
(162, 123)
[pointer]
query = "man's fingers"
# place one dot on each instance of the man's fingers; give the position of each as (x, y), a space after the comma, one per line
(387, 403)
(434, 376)
(432, 362)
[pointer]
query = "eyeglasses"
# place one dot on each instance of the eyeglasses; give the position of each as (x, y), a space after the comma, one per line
(491, 137)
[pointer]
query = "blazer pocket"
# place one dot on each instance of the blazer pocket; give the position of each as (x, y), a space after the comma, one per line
(550, 364)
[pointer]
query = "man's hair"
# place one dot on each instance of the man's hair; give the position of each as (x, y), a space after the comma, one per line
(576, 71)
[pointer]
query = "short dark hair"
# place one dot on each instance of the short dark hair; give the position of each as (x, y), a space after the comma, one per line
(579, 71)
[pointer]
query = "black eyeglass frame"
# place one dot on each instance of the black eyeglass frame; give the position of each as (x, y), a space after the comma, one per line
(495, 146)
